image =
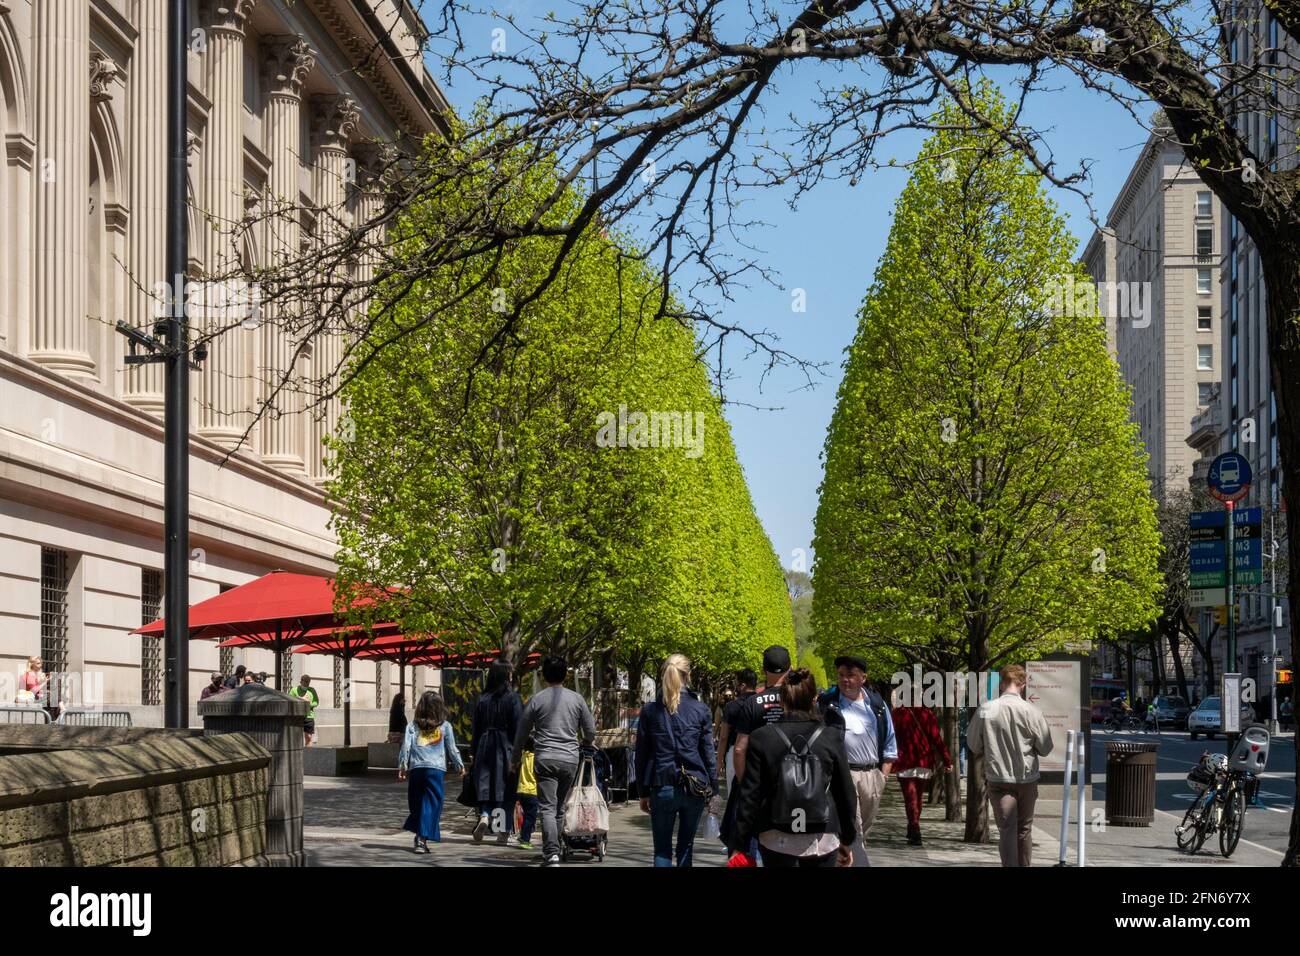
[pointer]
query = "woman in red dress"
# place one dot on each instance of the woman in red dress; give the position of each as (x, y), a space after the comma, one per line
(921, 751)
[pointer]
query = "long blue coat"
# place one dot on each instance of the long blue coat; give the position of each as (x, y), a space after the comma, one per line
(496, 718)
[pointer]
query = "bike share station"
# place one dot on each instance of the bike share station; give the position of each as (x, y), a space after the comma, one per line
(1226, 550)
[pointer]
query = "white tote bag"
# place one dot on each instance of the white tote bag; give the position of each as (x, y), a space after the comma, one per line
(585, 811)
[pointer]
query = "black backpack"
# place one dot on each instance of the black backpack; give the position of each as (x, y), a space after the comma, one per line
(801, 804)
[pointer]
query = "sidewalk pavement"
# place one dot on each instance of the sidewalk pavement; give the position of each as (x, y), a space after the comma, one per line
(356, 821)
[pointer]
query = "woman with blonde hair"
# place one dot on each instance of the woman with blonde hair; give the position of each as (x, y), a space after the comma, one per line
(675, 764)
(31, 685)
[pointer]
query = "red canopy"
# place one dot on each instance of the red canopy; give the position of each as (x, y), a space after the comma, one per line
(275, 605)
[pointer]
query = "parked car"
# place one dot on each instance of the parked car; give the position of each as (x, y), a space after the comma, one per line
(1205, 718)
(1172, 710)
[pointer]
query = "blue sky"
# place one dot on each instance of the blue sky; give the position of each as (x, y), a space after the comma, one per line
(829, 247)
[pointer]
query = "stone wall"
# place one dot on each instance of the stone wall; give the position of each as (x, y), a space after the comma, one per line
(105, 796)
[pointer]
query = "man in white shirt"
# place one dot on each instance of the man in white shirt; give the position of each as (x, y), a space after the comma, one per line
(868, 735)
(1012, 734)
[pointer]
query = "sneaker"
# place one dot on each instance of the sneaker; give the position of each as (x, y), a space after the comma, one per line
(552, 860)
(503, 839)
(524, 845)
(480, 829)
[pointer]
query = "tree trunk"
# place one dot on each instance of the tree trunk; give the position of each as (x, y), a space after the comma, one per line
(511, 636)
(952, 779)
(1281, 267)
(1157, 666)
(1180, 673)
(977, 813)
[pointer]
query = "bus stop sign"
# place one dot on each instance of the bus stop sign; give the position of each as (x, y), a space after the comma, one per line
(1229, 477)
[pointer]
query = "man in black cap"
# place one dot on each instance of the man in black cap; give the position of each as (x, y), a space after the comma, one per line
(868, 735)
(765, 706)
(761, 708)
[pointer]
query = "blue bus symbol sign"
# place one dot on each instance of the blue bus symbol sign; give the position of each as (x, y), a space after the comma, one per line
(1229, 477)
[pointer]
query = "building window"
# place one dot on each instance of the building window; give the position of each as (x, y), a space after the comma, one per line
(226, 661)
(1203, 281)
(286, 669)
(1204, 202)
(1205, 356)
(338, 682)
(380, 687)
(54, 610)
(1204, 241)
(1203, 391)
(151, 653)
(1204, 318)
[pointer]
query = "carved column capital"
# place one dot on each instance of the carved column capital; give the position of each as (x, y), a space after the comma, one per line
(374, 162)
(286, 61)
(229, 15)
(334, 121)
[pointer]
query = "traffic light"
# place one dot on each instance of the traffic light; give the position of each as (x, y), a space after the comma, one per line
(1221, 614)
(1284, 675)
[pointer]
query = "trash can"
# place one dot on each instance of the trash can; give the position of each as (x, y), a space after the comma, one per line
(1130, 783)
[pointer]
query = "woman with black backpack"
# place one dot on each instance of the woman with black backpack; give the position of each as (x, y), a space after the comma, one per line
(797, 794)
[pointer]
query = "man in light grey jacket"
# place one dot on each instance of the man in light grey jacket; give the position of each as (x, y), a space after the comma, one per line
(1012, 734)
(554, 717)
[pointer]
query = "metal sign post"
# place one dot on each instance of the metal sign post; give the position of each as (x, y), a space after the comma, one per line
(1229, 480)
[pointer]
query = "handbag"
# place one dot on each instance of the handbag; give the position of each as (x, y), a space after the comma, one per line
(685, 779)
(585, 811)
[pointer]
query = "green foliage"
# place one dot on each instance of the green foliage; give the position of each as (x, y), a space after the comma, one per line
(985, 497)
(477, 482)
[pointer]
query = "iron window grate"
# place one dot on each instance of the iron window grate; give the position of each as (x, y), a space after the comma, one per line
(151, 648)
(54, 610)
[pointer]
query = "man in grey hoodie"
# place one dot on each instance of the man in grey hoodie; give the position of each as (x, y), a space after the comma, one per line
(553, 716)
(1012, 734)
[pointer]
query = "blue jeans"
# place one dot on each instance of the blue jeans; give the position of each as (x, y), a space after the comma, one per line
(529, 805)
(667, 805)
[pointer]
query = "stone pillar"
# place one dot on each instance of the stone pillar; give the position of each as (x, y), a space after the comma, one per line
(286, 63)
(60, 333)
(147, 172)
(275, 721)
(334, 124)
(223, 383)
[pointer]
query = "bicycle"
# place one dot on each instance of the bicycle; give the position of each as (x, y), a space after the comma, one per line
(1127, 722)
(1219, 806)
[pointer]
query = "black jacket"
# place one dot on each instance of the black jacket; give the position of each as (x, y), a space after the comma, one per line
(762, 769)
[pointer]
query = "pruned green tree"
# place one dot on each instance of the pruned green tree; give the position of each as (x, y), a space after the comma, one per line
(574, 491)
(985, 499)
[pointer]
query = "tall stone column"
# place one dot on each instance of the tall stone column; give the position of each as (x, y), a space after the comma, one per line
(286, 63)
(224, 383)
(60, 331)
(334, 124)
(373, 161)
(147, 170)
